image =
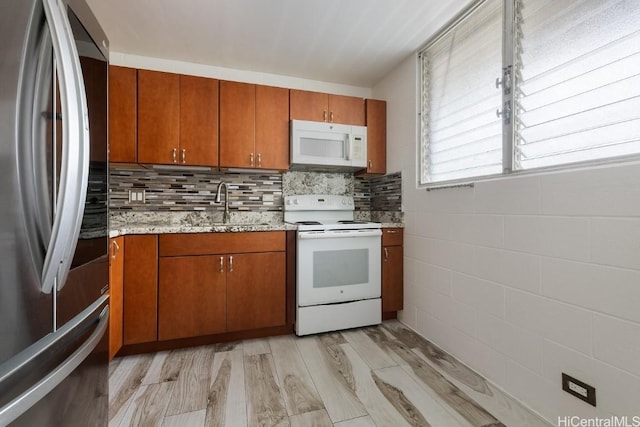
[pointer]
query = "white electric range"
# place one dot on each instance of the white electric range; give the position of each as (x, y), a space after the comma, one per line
(338, 269)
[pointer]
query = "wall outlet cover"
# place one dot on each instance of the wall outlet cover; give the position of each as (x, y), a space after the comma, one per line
(579, 389)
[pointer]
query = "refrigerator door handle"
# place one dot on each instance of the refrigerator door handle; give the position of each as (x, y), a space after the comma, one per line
(75, 150)
(22, 403)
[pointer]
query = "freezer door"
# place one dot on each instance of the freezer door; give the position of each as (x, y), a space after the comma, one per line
(60, 380)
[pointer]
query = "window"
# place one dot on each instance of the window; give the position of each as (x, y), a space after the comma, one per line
(568, 89)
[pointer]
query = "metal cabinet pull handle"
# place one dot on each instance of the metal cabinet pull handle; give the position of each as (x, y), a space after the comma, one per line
(230, 264)
(331, 117)
(251, 159)
(115, 250)
(324, 115)
(184, 155)
(174, 155)
(386, 254)
(221, 264)
(370, 164)
(391, 231)
(259, 160)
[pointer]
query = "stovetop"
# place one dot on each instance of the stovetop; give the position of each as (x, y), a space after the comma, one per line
(311, 212)
(335, 225)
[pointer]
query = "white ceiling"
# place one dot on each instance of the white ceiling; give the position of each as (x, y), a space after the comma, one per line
(352, 42)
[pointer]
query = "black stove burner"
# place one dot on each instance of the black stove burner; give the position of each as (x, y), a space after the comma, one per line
(308, 223)
(352, 221)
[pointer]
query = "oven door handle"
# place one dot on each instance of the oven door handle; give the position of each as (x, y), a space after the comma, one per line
(338, 234)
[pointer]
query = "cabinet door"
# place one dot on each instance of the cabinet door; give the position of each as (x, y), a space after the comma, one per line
(307, 105)
(272, 127)
(191, 296)
(140, 310)
(158, 117)
(237, 124)
(392, 279)
(123, 91)
(116, 282)
(198, 121)
(346, 110)
(376, 112)
(256, 291)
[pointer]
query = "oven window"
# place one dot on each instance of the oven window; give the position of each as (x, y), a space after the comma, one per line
(340, 267)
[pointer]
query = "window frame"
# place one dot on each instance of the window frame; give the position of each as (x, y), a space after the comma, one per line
(509, 169)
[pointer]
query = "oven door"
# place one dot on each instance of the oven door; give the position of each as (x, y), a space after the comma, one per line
(338, 266)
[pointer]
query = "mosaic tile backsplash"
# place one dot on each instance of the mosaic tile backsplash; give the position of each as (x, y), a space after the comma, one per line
(183, 190)
(176, 190)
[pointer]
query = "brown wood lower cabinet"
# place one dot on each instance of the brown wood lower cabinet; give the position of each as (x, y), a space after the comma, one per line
(116, 283)
(221, 282)
(392, 272)
(256, 291)
(140, 310)
(191, 296)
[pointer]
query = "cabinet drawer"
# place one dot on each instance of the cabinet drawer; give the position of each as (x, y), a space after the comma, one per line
(392, 236)
(221, 243)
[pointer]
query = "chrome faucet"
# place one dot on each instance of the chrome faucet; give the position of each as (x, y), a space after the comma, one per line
(225, 217)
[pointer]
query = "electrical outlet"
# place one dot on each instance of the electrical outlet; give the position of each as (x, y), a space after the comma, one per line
(577, 388)
(137, 196)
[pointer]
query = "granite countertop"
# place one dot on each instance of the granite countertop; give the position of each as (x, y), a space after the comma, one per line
(217, 228)
(132, 222)
(392, 225)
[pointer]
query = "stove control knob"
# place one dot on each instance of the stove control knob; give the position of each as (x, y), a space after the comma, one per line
(295, 201)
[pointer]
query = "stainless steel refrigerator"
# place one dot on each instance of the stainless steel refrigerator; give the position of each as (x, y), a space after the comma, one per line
(53, 215)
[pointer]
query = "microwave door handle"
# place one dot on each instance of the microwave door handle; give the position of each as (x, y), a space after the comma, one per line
(75, 150)
(347, 154)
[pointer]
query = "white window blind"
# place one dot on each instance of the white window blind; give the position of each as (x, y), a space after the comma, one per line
(578, 77)
(461, 136)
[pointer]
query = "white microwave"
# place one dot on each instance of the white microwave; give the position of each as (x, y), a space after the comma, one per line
(327, 146)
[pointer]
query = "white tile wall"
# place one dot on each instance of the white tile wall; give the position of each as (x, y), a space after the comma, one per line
(513, 269)
(517, 343)
(433, 277)
(552, 319)
(481, 230)
(605, 289)
(562, 237)
(617, 342)
(616, 242)
(511, 196)
(486, 296)
(603, 191)
(548, 264)
(447, 309)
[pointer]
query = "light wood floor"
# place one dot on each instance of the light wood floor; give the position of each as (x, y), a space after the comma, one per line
(377, 376)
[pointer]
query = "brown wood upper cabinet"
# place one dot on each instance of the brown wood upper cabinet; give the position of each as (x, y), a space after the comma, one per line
(376, 115)
(254, 126)
(177, 119)
(323, 107)
(123, 90)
